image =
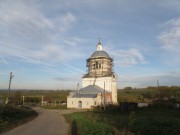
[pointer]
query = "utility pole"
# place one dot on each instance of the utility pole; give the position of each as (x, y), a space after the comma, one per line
(101, 100)
(42, 100)
(10, 78)
(78, 89)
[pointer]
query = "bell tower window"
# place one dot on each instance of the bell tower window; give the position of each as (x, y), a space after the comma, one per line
(96, 64)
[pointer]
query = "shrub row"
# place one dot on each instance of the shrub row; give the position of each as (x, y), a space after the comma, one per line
(11, 116)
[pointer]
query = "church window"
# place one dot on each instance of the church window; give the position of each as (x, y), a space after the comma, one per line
(72, 102)
(95, 103)
(96, 64)
(87, 103)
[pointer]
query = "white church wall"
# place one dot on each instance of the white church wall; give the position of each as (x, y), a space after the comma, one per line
(87, 103)
(110, 85)
(101, 100)
(114, 92)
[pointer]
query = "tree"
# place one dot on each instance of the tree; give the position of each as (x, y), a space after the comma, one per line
(128, 88)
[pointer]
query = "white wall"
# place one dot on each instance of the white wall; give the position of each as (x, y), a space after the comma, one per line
(110, 85)
(114, 92)
(87, 103)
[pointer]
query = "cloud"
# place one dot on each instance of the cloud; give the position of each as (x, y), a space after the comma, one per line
(65, 21)
(58, 53)
(50, 55)
(165, 79)
(4, 61)
(127, 58)
(31, 35)
(27, 22)
(170, 35)
(24, 21)
(68, 79)
(49, 52)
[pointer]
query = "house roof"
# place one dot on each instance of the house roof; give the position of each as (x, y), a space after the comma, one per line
(85, 95)
(91, 89)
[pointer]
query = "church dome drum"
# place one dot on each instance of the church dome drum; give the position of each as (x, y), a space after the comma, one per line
(100, 64)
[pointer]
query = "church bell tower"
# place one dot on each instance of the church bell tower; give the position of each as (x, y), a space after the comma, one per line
(100, 72)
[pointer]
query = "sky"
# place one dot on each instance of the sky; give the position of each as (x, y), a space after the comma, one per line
(45, 43)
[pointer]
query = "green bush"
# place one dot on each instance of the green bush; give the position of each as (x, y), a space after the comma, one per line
(11, 115)
(132, 119)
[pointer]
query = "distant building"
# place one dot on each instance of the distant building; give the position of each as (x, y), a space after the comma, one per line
(143, 105)
(99, 86)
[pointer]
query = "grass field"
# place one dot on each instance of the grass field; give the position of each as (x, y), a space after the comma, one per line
(50, 96)
(12, 116)
(147, 121)
(132, 95)
(156, 120)
(148, 94)
(82, 124)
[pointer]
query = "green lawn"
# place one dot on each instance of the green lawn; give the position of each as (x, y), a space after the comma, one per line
(84, 124)
(147, 121)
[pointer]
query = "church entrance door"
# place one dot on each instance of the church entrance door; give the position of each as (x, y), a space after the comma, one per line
(80, 104)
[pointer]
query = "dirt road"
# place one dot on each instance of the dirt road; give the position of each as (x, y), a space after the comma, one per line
(49, 122)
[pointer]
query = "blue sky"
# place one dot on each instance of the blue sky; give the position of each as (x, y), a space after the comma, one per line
(45, 43)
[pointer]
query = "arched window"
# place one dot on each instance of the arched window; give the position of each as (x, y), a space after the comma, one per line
(96, 64)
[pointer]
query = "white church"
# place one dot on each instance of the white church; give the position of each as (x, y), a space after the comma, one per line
(99, 85)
